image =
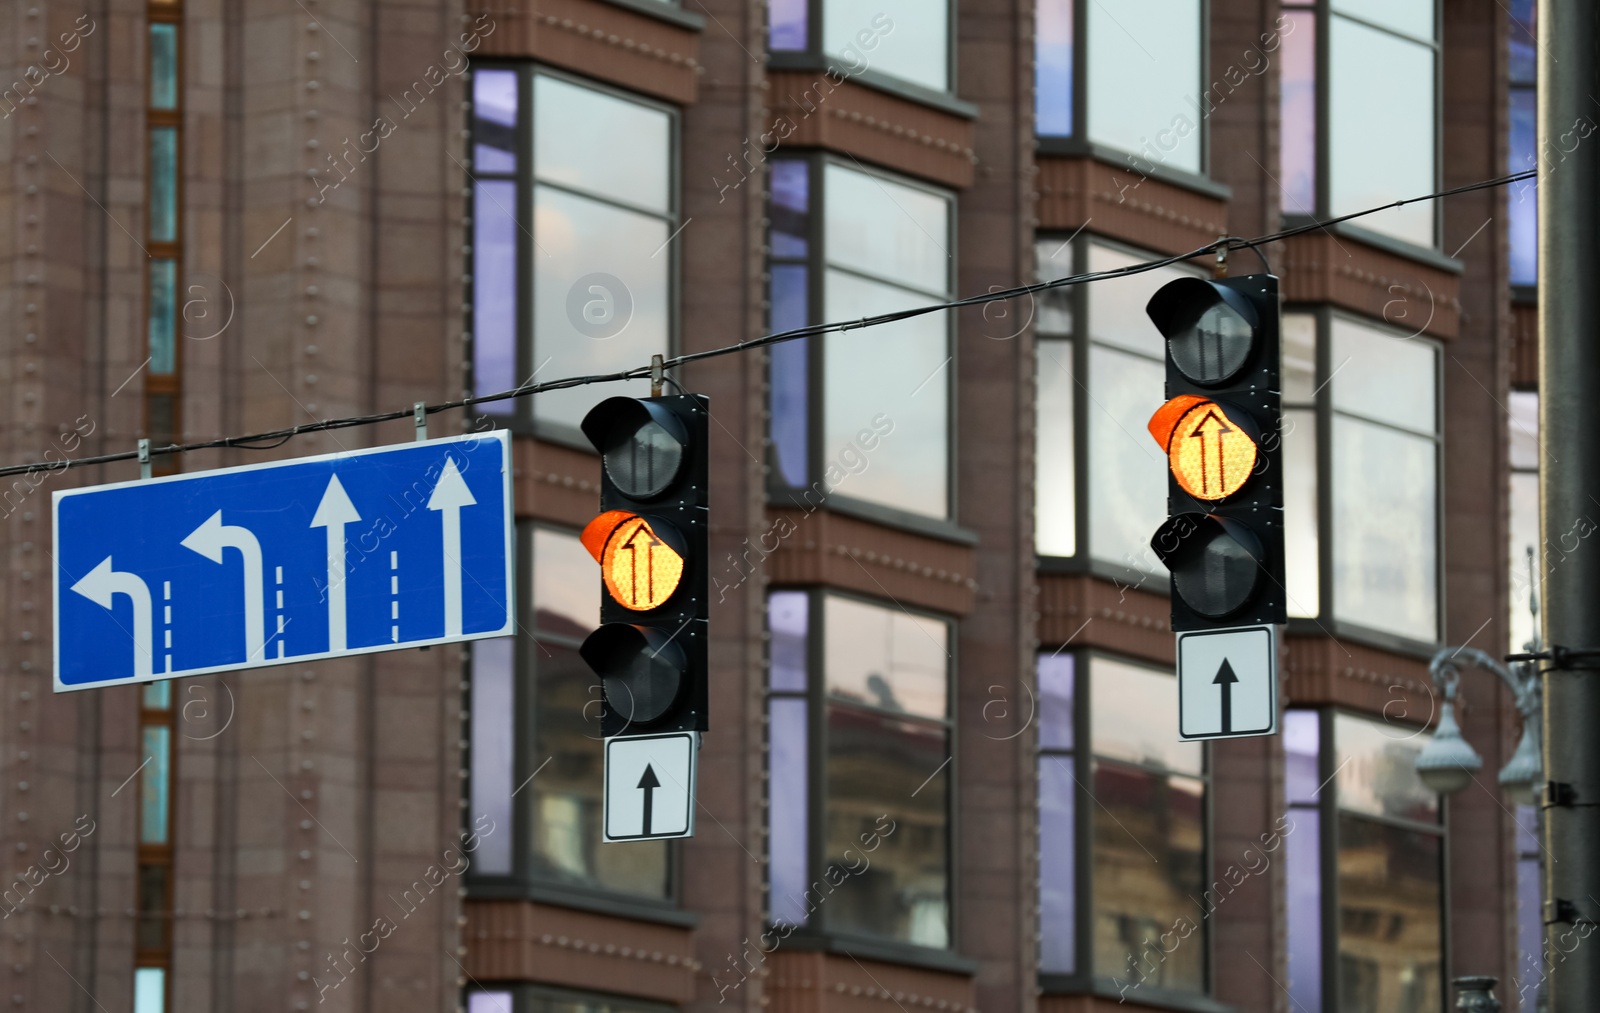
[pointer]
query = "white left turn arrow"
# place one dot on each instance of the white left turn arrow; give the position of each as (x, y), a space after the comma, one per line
(209, 539)
(449, 496)
(99, 584)
(333, 513)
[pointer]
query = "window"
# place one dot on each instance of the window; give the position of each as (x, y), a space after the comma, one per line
(1525, 454)
(904, 39)
(1378, 93)
(867, 686)
(1122, 845)
(1523, 152)
(1123, 470)
(1362, 525)
(1134, 89)
(153, 880)
(1532, 968)
(1374, 884)
(574, 209)
(874, 425)
(163, 381)
(536, 745)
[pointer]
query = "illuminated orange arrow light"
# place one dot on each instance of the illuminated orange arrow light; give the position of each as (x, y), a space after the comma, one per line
(640, 569)
(1210, 456)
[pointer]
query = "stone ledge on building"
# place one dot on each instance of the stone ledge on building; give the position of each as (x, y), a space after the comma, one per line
(525, 941)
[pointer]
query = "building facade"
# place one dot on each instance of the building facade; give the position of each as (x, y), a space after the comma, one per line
(943, 770)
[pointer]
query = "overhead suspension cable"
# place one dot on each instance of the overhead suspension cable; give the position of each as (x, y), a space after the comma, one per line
(278, 437)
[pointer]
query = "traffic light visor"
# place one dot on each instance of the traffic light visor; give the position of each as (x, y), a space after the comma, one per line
(1215, 562)
(1210, 329)
(642, 445)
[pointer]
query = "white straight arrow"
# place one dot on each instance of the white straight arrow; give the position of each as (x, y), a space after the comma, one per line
(449, 496)
(333, 513)
(99, 584)
(209, 539)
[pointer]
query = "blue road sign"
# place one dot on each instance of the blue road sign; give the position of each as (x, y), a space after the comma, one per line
(292, 561)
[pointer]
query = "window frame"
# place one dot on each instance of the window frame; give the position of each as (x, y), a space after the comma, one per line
(1322, 10)
(815, 932)
(1080, 144)
(1086, 979)
(522, 883)
(1327, 622)
(1329, 812)
(521, 420)
(1084, 561)
(779, 493)
(814, 57)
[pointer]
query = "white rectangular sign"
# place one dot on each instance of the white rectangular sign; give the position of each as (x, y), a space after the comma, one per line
(1228, 682)
(650, 786)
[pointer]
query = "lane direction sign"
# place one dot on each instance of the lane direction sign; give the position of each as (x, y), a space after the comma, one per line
(650, 782)
(288, 561)
(1228, 682)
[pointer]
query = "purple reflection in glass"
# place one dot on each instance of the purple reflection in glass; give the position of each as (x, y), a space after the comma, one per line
(1523, 196)
(494, 127)
(791, 197)
(1055, 701)
(494, 291)
(790, 374)
(787, 621)
(489, 1002)
(1052, 68)
(1057, 865)
(786, 25)
(1530, 930)
(787, 802)
(493, 751)
(1297, 170)
(1303, 873)
(1302, 732)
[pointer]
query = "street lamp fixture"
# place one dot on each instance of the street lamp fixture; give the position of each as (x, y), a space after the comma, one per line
(1449, 763)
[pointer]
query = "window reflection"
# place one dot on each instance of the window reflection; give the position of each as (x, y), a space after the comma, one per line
(882, 767)
(1052, 68)
(908, 39)
(1380, 126)
(1297, 174)
(1058, 791)
(1376, 769)
(885, 778)
(1149, 847)
(1389, 907)
(1144, 73)
(1147, 831)
(1385, 560)
(886, 659)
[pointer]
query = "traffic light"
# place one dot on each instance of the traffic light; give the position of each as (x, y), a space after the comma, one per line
(650, 542)
(1220, 430)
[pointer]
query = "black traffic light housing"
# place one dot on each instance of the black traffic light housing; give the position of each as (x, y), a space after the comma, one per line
(651, 660)
(1225, 554)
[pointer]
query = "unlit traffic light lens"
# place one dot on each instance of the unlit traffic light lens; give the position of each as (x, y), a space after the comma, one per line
(645, 461)
(1215, 564)
(641, 671)
(1209, 327)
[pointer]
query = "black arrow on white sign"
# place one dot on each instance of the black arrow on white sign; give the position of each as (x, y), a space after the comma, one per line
(1225, 678)
(649, 783)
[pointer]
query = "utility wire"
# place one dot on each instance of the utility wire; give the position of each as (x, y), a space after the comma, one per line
(278, 437)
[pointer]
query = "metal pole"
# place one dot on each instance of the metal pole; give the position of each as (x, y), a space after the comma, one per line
(1569, 479)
